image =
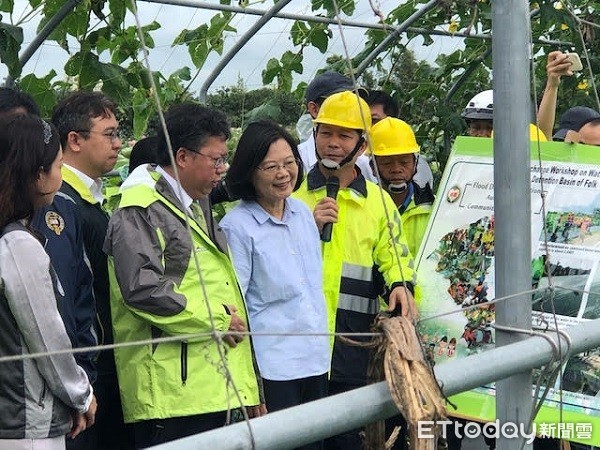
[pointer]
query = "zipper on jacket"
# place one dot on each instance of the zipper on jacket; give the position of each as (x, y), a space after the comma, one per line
(184, 351)
(42, 397)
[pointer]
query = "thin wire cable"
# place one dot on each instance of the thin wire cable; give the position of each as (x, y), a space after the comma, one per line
(392, 238)
(568, 7)
(546, 247)
(172, 47)
(217, 337)
(209, 335)
(479, 305)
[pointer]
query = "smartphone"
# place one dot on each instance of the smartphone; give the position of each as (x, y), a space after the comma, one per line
(576, 65)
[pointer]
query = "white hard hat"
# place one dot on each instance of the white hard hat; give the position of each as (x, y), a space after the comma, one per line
(480, 107)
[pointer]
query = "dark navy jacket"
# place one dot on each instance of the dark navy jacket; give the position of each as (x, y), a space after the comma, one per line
(64, 244)
(94, 223)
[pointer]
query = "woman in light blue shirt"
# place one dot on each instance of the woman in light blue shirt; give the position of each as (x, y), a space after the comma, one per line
(277, 255)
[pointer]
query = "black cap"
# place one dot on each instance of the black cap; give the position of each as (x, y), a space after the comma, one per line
(573, 119)
(326, 84)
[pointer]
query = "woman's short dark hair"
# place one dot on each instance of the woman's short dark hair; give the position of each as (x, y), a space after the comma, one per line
(190, 125)
(27, 145)
(143, 152)
(12, 99)
(390, 107)
(250, 153)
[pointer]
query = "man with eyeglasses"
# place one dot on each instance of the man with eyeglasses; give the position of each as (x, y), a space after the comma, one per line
(169, 280)
(89, 135)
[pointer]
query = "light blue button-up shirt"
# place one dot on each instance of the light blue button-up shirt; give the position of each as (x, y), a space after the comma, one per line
(280, 269)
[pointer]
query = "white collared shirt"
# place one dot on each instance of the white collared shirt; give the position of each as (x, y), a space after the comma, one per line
(182, 196)
(94, 185)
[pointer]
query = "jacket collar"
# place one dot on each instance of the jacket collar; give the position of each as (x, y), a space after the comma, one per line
(215, 234)
(78, 185)
(316, 180)
(182, 196)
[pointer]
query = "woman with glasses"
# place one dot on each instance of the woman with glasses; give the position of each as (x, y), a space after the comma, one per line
(44, 398)
(277, 256)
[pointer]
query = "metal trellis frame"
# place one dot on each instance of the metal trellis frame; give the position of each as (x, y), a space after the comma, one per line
(317, 420)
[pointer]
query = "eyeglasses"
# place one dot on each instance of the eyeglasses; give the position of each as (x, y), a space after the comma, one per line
(113, 134)
(218, 162)
(272, 168)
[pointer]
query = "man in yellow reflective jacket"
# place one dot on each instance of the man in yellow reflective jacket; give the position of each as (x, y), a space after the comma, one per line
(396, 154)
(361, 237)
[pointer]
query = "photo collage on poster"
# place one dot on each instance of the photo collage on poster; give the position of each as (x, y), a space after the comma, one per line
(456, 263)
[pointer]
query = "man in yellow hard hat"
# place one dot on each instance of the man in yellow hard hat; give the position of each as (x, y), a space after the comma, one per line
(395, 156)
(351, 209)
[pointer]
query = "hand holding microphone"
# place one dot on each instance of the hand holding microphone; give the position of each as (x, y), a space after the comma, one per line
(329, 208)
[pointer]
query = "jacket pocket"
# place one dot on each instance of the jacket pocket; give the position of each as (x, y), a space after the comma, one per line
(184, 356)
(42, 396)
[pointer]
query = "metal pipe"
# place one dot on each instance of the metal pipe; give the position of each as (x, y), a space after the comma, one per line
(317, 420)
(391, 37)
(37, 41)
(328, 20)
(54, 22)
(464, 76)
(239, 44)
(453, 89)
(511, 51)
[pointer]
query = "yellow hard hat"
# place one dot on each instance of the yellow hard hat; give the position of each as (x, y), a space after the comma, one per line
(345, 109)
(533, 134)
(391, 136)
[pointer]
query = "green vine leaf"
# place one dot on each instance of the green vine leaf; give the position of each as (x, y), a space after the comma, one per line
(42, 91)
(7, 6)
(11, 38)
(142, 109)
(271, 71)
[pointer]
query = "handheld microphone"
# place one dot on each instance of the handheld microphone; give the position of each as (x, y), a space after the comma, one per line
(332, 186)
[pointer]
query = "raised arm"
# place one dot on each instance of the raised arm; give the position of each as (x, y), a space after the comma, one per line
(557, 66)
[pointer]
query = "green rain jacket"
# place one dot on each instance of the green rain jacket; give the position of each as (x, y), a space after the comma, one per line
(416, 216)
(360, 240)
(156, 292)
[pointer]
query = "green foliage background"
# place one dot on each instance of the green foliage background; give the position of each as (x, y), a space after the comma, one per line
(109, 57)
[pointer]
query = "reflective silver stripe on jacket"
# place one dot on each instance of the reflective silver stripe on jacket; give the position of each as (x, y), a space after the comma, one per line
(357, 272)
(358, 304)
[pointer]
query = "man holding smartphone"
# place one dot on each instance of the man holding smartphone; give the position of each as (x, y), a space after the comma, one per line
(559, 64)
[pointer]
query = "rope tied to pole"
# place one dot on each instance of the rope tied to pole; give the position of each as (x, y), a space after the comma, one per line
(398, 357)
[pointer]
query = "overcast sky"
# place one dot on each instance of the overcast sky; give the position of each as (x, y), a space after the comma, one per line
(272, 41)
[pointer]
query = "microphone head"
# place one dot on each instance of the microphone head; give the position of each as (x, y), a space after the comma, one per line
(332, 186)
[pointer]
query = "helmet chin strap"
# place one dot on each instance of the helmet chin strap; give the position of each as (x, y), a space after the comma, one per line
(400, 188)
(397, 188)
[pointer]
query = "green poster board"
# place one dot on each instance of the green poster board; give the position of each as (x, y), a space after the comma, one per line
(456, 269)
